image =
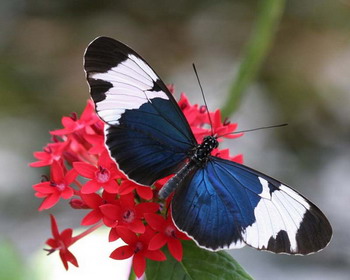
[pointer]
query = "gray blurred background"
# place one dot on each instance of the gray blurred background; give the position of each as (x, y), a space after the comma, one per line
(304, 81)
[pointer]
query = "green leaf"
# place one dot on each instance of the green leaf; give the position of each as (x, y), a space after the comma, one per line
(261, 39)
(196, 264)
(11, 266)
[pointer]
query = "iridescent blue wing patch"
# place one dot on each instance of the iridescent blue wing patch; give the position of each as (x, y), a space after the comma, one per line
(227, 205)
(146, 132)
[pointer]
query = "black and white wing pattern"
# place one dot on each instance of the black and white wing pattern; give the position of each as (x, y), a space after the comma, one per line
(146, 132)
(227, 205)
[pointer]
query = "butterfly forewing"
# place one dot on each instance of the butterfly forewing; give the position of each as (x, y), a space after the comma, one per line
(146, 132)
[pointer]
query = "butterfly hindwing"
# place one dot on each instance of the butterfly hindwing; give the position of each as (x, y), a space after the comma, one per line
(146, 132)
(227, 205)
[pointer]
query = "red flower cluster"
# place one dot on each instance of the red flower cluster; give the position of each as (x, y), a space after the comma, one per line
(82, 171)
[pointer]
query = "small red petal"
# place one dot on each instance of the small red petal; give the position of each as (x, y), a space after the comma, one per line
(52, 243)
(44, 188)
(70, 176)
(157, 241)
(85, 169)
(122, 253)
(137, 226)
(144, 192)
(238, 158)
(127, 235)
(66, 236)
(88, 111)
(175, 248)
(139, 265)
(111, 187)
(90, 187)
(93, 200)
(111, 211)
(54, 228)
(71, 258)
(126, 187)
(67, 193)
(66, 257)
(157, 222)
(49, 201)
(113, 235)
(147, 207)
(92, 218)
(156, 255)
(64, 260)
(56, 172)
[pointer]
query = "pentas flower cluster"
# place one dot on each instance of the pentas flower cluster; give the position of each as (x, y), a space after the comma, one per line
(82, 172)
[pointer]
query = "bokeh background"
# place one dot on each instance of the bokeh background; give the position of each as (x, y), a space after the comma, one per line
(303, 81)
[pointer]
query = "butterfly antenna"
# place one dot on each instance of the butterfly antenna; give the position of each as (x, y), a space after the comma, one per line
(254, 129)
(205, 101)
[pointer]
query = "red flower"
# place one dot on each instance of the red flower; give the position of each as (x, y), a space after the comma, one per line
(72, 123)
(167, 234)
(94, 201)
(120, 205)
(218, 128)
(61, 241)
(104, 175)
(138, 246)
(127, 214)
(52, 152)
(58, 186)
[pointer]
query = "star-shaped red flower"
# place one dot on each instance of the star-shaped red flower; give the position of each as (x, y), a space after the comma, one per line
(61, 241)
(167, 234)
(58, 186)
(138, 247)
(104, 175)
(72, 123)
(94, 201)
(52, 152)
(126, 213)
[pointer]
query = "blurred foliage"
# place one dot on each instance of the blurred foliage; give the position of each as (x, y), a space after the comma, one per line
(11, 266)
(263, 33)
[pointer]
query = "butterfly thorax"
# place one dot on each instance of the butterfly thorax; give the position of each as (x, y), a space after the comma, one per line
(203, 150)
(198, 159)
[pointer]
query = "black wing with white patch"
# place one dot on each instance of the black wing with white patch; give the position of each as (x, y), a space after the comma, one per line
(226, 205)
(146, 132)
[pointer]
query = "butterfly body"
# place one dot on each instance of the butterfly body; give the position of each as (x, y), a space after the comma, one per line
(219, 203)
(198, 159)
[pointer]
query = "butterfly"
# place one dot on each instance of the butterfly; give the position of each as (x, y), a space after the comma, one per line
(220, 204)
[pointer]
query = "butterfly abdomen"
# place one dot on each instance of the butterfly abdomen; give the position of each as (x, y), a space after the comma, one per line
(178, 178)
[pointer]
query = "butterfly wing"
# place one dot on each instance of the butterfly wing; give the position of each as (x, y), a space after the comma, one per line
(227, 205)
(146, 132)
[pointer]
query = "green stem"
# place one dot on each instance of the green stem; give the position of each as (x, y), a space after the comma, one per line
(263, 33)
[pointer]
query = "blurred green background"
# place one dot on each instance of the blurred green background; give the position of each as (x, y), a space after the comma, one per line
(304, 81)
